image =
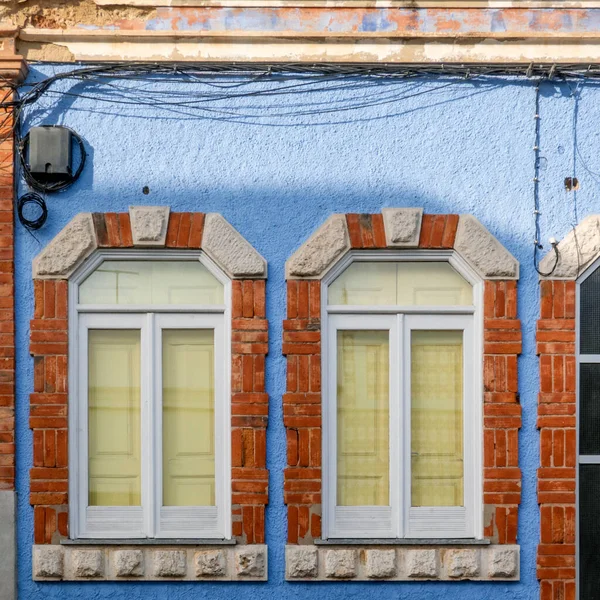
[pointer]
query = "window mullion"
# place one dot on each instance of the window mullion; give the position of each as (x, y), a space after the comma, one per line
(82, 427)
(149, 431)
(406, 424)
(398, 458)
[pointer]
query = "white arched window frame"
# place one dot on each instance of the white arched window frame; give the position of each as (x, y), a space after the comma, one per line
(400, 520)
(151, 519)
(587, 459)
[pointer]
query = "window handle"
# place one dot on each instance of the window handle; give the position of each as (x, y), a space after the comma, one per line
(414, 454)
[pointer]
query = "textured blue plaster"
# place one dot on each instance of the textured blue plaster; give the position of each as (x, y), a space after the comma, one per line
(464, 148)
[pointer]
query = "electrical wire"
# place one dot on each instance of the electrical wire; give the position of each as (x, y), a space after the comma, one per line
(357, 86)
(537, 245)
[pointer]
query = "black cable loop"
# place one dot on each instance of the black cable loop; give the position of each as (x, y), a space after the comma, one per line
(32, 199)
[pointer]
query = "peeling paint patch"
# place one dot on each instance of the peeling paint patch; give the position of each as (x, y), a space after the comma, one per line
(33, 51)
(56, 14)
(377, 22)
(498, 23)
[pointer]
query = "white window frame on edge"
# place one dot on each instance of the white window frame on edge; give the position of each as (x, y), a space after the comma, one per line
(400, 520)
(581, 459)
(151, 520)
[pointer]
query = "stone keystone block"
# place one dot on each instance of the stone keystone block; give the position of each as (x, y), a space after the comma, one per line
(503, 562)
(326, 246)
(170, 563)
(129, 563)
(483, 251)
(380, 563)
(301, 561)
(149, 225)
(462, 563)
(67, 250)
(224, 244)
(251, 561)
(211, 563)
(340, 564)
(48, 561)
(402, 226)
(421, 563)
(87, 563)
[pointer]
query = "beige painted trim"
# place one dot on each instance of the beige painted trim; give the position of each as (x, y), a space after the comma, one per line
(240, 50)
(275, 47)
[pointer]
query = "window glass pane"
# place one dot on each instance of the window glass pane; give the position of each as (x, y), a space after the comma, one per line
(437, 418)
(589, 532)
(151, 282)
(589, 406)
(401, 284)
(114, 417)
(363, 418)
(589, 326)
(188, 417)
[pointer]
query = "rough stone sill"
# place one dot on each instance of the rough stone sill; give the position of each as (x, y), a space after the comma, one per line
(359, 563)
(149, 542)
(149, 563)
(401, 542)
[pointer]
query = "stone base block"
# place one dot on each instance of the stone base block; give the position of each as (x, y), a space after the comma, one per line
(162, 563)
(402, 563)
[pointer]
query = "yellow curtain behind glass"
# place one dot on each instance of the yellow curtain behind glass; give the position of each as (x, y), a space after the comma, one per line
(437, 418)
(363, 418)
(188, 417)
(151, 282)
(401, 284)
(114, 417)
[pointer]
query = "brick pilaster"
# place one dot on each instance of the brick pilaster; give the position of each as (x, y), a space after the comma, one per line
(7, 294)
(302, 410)
(501, 412)
(48, 412)
(249, 414)
(558, 446)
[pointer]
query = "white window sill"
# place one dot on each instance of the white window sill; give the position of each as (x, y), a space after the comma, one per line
(401, 542)
(149, 542)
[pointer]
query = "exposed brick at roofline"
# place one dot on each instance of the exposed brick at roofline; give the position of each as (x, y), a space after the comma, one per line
(49, 400)
(7, 302)
(558, 445)
(302, 400)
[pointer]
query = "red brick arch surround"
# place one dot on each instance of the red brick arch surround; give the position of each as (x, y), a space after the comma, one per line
(302, 400)
(48, 416)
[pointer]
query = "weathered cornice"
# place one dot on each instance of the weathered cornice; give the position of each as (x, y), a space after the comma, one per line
(353, 31)
(13, 68)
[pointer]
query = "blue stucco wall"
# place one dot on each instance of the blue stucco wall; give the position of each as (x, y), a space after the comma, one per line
(446, 145)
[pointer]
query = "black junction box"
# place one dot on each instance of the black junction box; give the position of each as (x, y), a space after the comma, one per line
(50, 153)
